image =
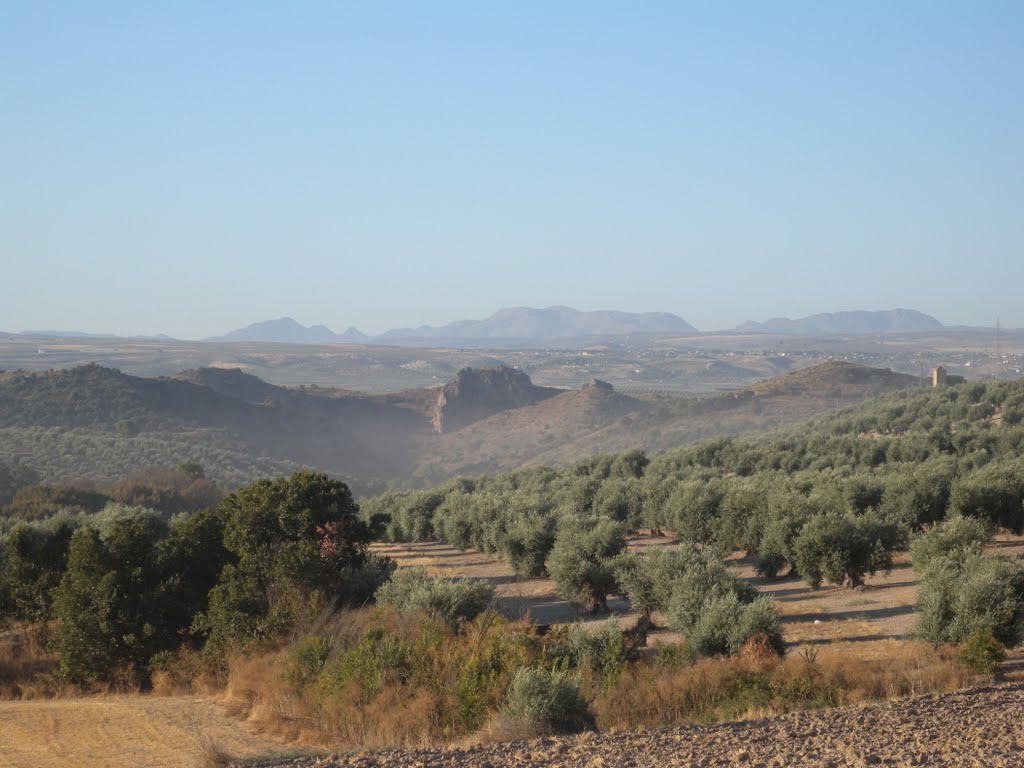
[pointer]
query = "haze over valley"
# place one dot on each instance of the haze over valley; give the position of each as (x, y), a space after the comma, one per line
(491, 385)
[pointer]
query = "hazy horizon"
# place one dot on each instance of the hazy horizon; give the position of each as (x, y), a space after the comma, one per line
(193, 169)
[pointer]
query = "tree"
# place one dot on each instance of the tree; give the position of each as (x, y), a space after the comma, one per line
(967, 593)
(580, 561)
(957, 536)
(107, 602)
(34, 557)
(649, 579)
(297, 543)
(412, 591)
(843, 548)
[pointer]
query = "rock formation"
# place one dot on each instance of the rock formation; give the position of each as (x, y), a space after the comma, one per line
(476, 393)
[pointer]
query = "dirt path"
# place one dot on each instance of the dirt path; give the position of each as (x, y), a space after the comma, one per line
(121, 732)
(975, 728)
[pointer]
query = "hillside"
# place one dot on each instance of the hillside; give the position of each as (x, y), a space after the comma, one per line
(836, 378)
(97, 423)
(596, 419)
(165, 420)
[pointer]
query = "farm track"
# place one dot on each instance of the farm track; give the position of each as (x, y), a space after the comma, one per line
(975, 728)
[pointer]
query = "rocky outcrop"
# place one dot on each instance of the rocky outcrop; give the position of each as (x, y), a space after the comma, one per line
(476, 393)
(597, 385)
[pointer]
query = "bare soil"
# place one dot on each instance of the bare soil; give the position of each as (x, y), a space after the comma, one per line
(860, 621)
(976, 728)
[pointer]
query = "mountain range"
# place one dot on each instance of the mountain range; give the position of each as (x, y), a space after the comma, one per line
(516, 326)
(522, 327)
(885, 321)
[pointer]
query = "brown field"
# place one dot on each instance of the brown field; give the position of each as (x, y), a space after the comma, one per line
(187, 731)
(124, 732)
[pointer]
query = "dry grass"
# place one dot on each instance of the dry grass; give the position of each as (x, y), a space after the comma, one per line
(728, 689)
(124, 732)
(26, 663)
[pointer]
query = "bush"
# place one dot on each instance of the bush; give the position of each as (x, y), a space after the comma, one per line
(725, 625)
(604, 650)
(982, 652)
(964, 594)
(412, 591)
(548, 701)
(957, 536)
(649, 579)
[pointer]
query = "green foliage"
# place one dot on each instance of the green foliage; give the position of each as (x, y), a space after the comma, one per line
(918, 495)
(777, 549)
(648, 580)
(966, 593)
(527, 543)
(33, 557)
(412, 591)
(718, 613)
(296, 539)
(983, 652)
(605, 651)
(844, 548)
(994, 493)
(548, 701)
(581, 561)
(108, 601)
(958, 537)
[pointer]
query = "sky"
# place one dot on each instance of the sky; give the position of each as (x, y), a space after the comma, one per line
(192, 167)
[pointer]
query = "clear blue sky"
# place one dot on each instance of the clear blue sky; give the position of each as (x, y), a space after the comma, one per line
(189, 168)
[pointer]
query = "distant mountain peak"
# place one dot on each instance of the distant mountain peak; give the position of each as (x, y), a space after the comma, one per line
(286, 330)
(851, 322)
(547, 324)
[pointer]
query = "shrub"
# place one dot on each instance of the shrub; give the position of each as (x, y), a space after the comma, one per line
(725, 624)
(548, 701)
(982, 652)
(957, 536)
(604, 651)
(649, 579)
(412, 591)
(967, 593)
